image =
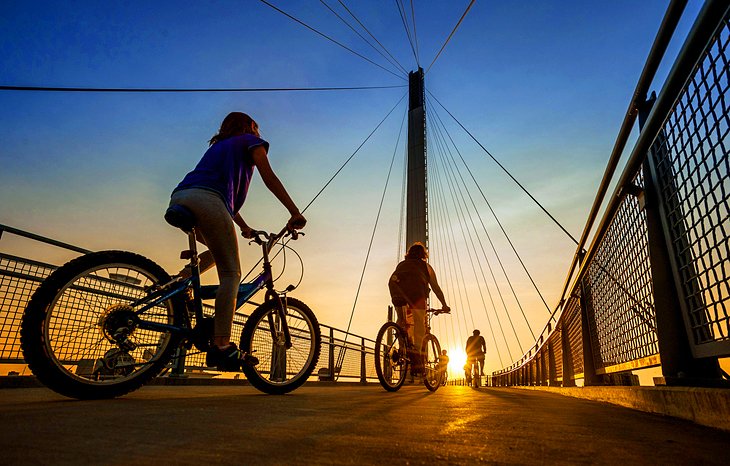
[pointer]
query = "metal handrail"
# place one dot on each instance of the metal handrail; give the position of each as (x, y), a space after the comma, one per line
(703, 30)
(658, 49)
(42, 239)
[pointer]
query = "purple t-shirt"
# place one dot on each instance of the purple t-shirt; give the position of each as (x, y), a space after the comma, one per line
(226, 168)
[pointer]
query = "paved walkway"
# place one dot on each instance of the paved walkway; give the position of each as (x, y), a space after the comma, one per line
(343, 425)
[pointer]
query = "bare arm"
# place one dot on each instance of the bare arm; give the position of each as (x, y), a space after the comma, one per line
(261, 160)
(436, 288)
(246, 230)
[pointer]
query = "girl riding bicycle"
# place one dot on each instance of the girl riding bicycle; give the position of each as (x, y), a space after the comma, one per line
(215, 192)
(409, 288)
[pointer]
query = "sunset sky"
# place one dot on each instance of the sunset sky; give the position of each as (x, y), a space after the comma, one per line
(542, 85)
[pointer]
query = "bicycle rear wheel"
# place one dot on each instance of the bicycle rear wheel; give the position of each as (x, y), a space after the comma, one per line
(430, 353)
(81, 334)
(281, 369)
(391, 363)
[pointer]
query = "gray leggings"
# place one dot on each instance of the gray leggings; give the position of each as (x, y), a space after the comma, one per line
(214, 228)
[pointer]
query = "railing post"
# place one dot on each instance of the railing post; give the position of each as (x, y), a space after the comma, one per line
(363, 369)
(552, 376)
(178, 367)
(568, 380)
(331, 355)
(589, 367)
(543, 366)
(679, 366)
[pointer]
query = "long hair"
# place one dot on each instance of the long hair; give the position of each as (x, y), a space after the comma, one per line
(234, 124)
(417, 251)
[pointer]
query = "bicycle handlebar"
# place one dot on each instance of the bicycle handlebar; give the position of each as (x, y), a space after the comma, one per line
(261, 237)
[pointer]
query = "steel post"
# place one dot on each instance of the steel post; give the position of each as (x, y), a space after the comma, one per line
(363, 369)
(568, 380)
(178, 366)
(331, 356)
(589, 368)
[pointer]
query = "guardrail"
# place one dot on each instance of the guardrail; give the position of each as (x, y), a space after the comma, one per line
(653, 288)
(351, 355)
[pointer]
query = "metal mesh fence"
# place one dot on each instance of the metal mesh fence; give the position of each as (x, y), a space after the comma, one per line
(691, 156)
(573, 326)
(556, 348)
(18, 280)
(618, 290)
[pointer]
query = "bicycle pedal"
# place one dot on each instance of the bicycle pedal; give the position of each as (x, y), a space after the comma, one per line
(249, 360)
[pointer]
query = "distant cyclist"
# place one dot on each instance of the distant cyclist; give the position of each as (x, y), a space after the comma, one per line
(476, 348)
(409, 288)
(444, 366)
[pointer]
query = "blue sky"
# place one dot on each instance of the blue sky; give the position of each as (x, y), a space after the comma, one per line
(543, 85)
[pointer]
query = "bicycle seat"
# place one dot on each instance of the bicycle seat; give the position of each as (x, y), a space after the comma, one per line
(180, 217)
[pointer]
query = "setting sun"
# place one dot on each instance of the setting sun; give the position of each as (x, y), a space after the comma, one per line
(457, 360)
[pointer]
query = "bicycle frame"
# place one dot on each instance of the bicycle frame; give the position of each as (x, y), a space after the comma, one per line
(246, 290)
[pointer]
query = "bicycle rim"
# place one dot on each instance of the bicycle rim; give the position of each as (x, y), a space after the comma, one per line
(431, 352)
(391, 363)
(281, 369)
(82, 325)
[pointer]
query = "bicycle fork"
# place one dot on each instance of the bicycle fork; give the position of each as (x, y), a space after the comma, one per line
(277, 321)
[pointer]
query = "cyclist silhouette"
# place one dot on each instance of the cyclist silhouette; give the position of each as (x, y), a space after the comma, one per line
(444, 366)
(409, 289)
(476, 348)
(214, 192)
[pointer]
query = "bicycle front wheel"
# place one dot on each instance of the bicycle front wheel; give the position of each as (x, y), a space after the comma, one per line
(430, 353)
(391, 362)
(82, 335)
(281, 369)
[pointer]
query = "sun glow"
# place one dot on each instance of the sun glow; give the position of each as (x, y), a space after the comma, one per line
(457, 360)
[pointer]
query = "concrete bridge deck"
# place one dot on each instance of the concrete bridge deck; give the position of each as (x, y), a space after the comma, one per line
(345, 425)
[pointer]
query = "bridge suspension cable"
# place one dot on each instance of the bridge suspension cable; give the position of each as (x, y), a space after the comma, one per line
(396, 64)
(447, 229)
(450, 35)
(212, 89)
(371, 35)
(505, 170)
(451, 253)
(461, 220)
(443, 255)
(494, 214)
(415, 34)
(401, 11)
(341, 354)
(330, 39)
(441, 129)
(448, 222)
(461, 185)
(353, 154)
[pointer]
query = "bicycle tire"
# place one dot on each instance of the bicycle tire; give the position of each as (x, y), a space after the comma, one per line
(430, 353)
(391, 363)
(281, 370)
(66, 327)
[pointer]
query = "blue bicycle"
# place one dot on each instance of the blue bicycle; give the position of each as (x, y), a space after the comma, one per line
(108, 322)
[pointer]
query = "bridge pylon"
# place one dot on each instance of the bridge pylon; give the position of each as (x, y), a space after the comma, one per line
(417, 186)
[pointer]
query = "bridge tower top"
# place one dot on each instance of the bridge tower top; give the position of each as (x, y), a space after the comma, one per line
(416, 192)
